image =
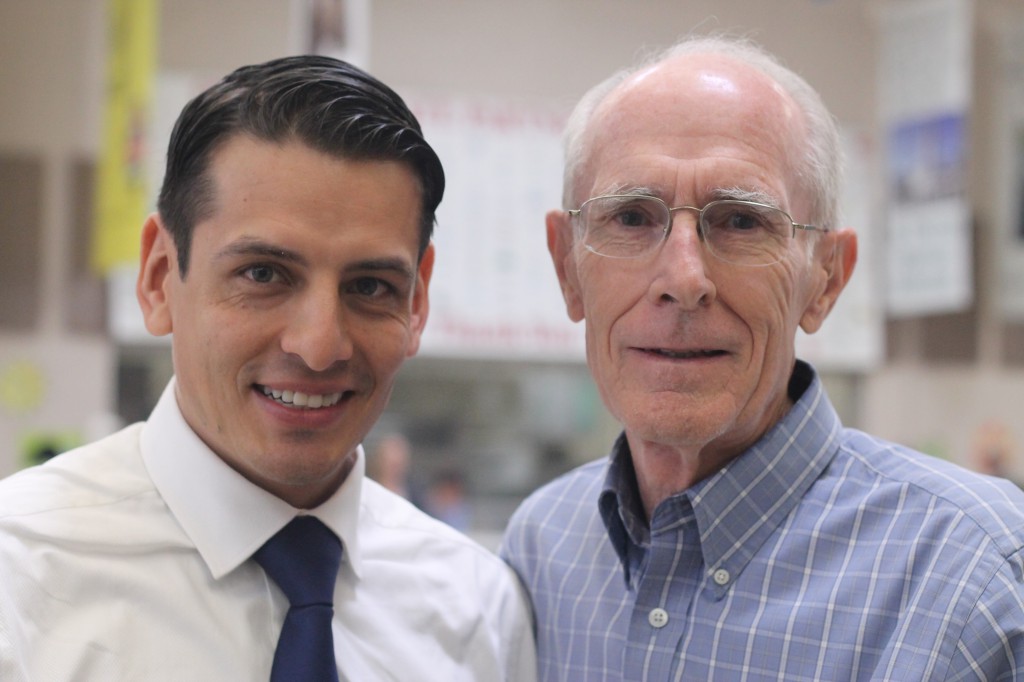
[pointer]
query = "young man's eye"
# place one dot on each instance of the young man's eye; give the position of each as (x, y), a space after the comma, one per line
(369, 286)
(261, 274)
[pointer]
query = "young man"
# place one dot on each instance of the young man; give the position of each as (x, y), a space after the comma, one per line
(290, 259)
(738, 531)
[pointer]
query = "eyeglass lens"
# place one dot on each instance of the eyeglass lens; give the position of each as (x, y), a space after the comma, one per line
(735, 231)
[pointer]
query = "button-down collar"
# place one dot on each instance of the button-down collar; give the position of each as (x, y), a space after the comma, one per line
(738, 507)
(232, 523)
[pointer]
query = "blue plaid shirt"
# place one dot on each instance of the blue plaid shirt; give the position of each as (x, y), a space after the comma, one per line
(819, 554)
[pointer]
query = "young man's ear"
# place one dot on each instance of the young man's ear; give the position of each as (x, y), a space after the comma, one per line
(158, 263)
(420, 300)
(837, 260)
(560, 245)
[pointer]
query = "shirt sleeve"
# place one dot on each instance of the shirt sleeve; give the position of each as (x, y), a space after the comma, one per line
(991, 646)
(12, 666)
(518, 644)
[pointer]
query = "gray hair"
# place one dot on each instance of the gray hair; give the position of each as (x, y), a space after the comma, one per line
(818, 167)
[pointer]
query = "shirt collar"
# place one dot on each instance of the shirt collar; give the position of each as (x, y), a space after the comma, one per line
(622, 510)
(741, 505)
(225, 515)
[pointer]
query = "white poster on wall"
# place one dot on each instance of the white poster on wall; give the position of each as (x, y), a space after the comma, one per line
(925, 83)
(494, 292)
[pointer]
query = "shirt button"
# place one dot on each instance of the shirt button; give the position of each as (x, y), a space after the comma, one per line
(658, 618)
(721, 577)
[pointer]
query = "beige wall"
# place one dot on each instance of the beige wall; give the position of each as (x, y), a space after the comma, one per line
(556, 50)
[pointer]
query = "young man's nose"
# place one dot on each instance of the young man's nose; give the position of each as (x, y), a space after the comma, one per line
(317, 331)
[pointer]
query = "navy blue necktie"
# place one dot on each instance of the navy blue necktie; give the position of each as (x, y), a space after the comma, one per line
(303, 559)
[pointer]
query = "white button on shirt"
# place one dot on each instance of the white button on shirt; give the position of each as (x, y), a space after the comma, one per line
(721, 577)
(658, 618)
(132, 559)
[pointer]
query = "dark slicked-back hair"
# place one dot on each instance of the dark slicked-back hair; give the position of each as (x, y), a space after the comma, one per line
(327, 104)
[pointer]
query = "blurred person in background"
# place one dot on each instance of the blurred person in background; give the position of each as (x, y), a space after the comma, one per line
(446, 499)
(737, 530)
(234, 536)
(389, 464)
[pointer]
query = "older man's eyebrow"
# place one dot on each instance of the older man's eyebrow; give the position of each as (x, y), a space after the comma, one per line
(741, 194)
(713, 194)
(625, 189)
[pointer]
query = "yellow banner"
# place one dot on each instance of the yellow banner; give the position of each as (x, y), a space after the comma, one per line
(122, 192)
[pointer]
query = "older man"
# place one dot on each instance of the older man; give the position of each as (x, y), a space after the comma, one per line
(737, 531)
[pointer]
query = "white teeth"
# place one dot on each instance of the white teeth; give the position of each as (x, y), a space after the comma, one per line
(299, 399)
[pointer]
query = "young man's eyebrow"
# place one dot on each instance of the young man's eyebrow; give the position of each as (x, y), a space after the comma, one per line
(256, 247)
(262, 249)
(396, 265)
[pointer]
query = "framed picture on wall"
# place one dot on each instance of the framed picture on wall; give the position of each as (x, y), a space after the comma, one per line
(336, 28)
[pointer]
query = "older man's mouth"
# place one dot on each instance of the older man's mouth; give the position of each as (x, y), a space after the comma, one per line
(684, 354)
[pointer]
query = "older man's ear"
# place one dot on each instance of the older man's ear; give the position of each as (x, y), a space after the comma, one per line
(560, 245)
(837, 258)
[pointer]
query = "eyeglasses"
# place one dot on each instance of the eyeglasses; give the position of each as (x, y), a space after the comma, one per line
(738, 232)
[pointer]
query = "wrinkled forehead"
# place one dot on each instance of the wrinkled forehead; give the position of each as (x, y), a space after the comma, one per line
(687, 104)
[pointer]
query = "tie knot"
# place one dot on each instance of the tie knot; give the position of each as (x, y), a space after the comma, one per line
(303, 559)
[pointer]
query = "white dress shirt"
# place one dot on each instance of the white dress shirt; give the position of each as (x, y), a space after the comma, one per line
(129, 559)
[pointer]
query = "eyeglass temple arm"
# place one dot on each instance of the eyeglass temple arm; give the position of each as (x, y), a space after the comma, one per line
(810, 228)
